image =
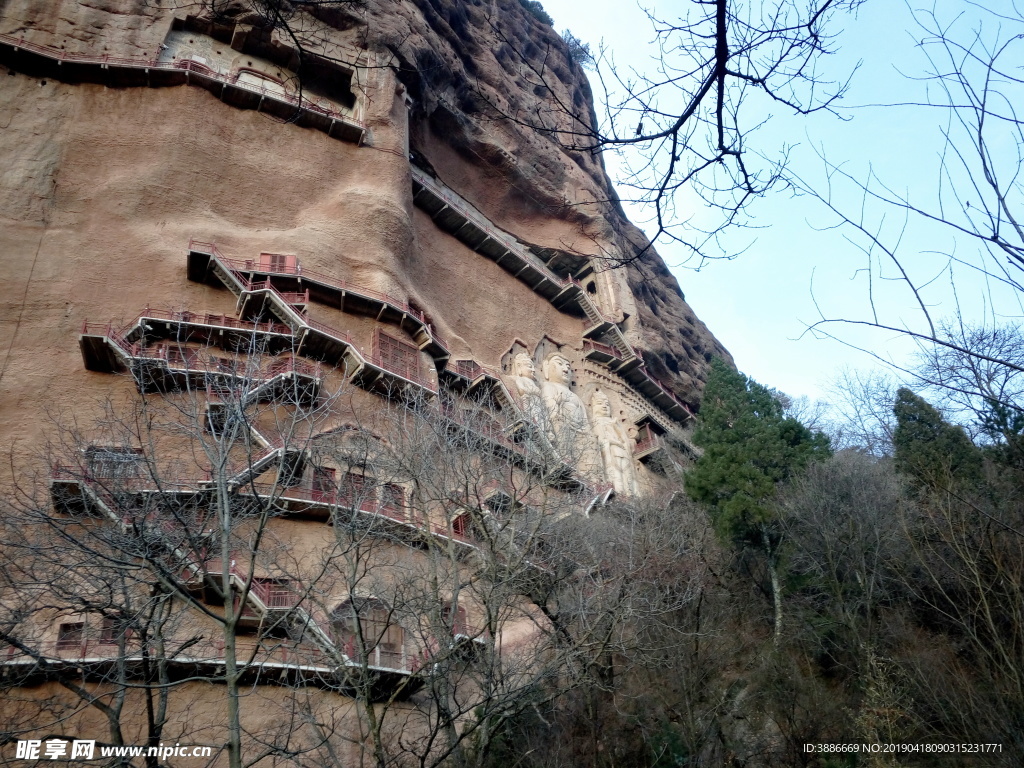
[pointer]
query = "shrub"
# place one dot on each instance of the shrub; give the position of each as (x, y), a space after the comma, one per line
(537, 9)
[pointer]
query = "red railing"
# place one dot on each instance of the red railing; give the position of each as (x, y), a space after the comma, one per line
(291, 365)
(181, 65)
(289, 297)
(92, 476)
(482, 425)
(665, 390)
(212, 653)
(415, 377)
(170, 354)
(597, 346)
(270, 592)
(239, 266)
(274, 594)
(471, 369)
(185, 316)
(649, 443)
(181, 357)
(86, 648)
(401, 661)
(368, 503)
(329, 331)
(306, 493)
(470, 214)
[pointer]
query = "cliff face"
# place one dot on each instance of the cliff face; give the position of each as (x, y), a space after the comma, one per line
(496, 101)
(131, 172)
(337, 238)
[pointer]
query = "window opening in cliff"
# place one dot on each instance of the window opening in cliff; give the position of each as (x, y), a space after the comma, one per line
(366, 632)
(71, 636)
(324, 483)
(112, 630)
(591, 287)
(328, 79)
(114, 463)
(278, 262)
(397, 356)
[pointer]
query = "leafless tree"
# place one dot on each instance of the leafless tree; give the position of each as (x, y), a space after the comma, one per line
(971, 93)
(690, 125)
(458, 584)
(156, 511)
(978, 377)
(861, 413)
(965, 576)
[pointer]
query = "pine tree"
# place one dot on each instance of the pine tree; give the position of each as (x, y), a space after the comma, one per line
(929, 450)
(750, 447)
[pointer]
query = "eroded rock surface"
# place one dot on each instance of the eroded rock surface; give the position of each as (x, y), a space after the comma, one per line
(148, 168)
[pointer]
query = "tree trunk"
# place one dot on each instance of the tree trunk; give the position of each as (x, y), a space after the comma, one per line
(773, 574)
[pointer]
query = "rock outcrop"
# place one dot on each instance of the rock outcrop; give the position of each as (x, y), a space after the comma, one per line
(315, 346)
(493, 98)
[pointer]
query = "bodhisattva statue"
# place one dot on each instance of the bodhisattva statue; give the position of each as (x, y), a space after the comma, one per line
(524, 377)
(615, 445)
(567, 425)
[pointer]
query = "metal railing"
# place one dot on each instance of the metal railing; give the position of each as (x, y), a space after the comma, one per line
(329, 331)
(471, 369)
(648, 444)
(597, 346)
(414, 377)
(479, 424)
(661, 385)
(189, 66)
(185, 316)
(289, 297)
(240, 266)
(468, 212)
(134, 349)
(398, 661)
(146, 481)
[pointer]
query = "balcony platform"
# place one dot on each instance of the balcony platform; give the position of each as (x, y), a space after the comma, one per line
(207, 265)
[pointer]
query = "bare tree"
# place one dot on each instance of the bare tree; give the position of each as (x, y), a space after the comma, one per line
(457, 585)
(157, 511)
(965, 577)
(978, 378)
(970, 93)
(861, 412)
(690, 126)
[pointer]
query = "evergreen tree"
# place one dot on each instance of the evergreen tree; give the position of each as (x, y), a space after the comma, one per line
(929, 450)
(750, 447)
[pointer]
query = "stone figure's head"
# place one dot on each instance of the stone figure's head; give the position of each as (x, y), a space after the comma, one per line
(558, 369)
(600, 405)
(522, 366)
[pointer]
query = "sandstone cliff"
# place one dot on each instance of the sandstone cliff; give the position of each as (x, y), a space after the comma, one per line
(480, 76)
(484, 77)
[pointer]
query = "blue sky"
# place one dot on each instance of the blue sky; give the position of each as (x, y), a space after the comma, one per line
(795, 268)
